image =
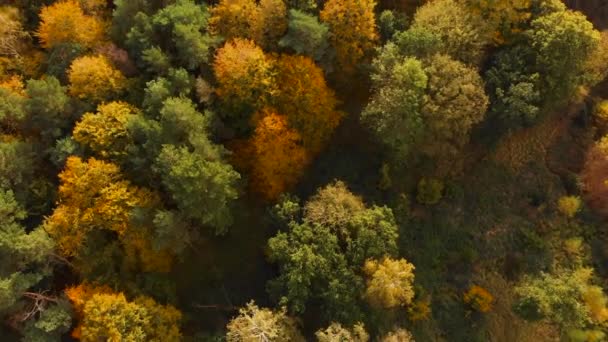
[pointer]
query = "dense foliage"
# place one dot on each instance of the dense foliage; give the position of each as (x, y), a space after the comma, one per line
(303, 170)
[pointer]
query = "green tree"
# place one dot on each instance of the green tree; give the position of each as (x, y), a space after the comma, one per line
(514, 87)
(562, 42)
(202, 188)
(461, 33)
(418, 42)
(562, 298)
(48, 108)
(260, 324)
(456, 102)
(307, 36)
(394, 113)
(320, 261)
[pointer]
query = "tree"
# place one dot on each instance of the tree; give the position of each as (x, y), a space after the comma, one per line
(462, 34)
(233, 18)
(12, 107)
(177, 34)
(391, 22)
(503, 18)
(12, 34)
(306, 36)
(25, 270)
(106, 132)
(418, 41)
(48, 108)
(93, 195)
(65, 22)
(263, 22)
(333, 206)
(184, 24)
(203, 189)
(560, 298)
(394, 112)
(594, 177)
(94, 78)
(107, 315)
(278, 158)
(337, 333)
(456, 101)
(24, 254)
(244, 76)
(514, 87)
(563, 42)
(353, 31)
(389, 283)
(306, 100)
(322, 262)
(259, 324)
(269, 22)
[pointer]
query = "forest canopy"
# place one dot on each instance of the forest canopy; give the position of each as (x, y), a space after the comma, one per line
(304, 170)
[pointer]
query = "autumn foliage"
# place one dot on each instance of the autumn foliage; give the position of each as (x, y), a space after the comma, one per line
(105, 132)
(65, 22)
(244, 73)
(276, 155)
(352, 25)
(310, 105)
(479, 298)
(94, 195)
(94, 78)
(595, 177)
(104, 314)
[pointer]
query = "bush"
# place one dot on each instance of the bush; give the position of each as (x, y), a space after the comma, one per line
(569, 205)
(429, 191)
(600, 116)
(479, 298)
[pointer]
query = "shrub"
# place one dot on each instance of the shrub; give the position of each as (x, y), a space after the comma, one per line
(569, 205)
(429, 191)
(479, 298)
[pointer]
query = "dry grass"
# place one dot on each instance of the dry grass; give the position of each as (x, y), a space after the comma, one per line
(520, 147)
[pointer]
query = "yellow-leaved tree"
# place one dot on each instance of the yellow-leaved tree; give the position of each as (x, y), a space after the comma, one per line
(352, 24)
(389, 282)
(65, 22)
(105, 132)
(95, 78)
(244, 74)
(264, 22)
(106, 315)
(94, 195)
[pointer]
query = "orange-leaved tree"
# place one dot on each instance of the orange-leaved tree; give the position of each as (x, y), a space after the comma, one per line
(276, 155)
(310, 105)
(65, 22)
